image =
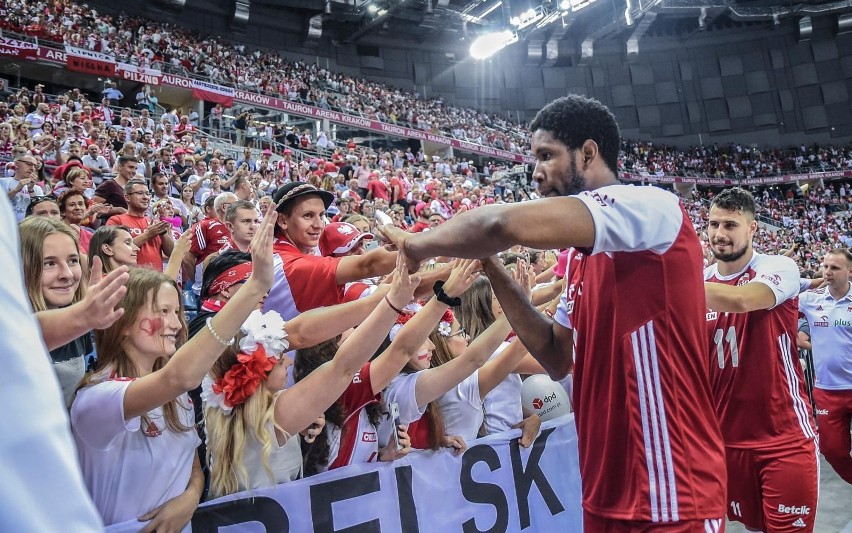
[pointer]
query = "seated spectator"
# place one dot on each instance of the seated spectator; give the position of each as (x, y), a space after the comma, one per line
(153, 239)
(72, 211)
(44, 206)
(114, 246)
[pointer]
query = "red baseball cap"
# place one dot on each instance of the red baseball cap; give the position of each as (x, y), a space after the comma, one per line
(340, 237)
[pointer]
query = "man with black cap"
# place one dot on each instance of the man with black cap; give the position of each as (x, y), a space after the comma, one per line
(302, 279)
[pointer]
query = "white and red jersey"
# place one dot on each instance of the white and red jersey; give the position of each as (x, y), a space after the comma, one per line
(301, 282)
(649, 443)
(830, 321)
(357, 441)
(209, 237)
(754, 364)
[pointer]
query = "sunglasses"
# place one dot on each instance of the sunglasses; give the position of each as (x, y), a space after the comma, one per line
(461, 332)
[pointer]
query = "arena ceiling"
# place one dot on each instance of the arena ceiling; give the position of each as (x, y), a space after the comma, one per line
(457, 21)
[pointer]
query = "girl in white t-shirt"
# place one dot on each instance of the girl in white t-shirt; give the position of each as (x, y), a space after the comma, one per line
(132, 419)
(464, 406)
(251, 418)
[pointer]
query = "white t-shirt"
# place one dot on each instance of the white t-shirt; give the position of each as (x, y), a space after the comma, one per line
(461, 408)
(285, 461)
(199, 194)
(503, 404)
(42, 488)
(21, 200)
(401, 390)
(129, 473)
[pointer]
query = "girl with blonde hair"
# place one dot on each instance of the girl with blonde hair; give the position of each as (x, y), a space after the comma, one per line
(55, 278)
(132, 420)
(252, 420)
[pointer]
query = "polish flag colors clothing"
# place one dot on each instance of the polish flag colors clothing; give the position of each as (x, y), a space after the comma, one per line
(301, 282)
(357, 441)
(754, 364)
(209, 237)
(649, 443)
(831, 331)
(130, 470)
(150, 254)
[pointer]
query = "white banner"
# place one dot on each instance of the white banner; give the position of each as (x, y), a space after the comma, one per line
(494, 486)
(89, 54)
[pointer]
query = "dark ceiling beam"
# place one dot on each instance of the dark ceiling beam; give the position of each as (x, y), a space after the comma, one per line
(376, 22)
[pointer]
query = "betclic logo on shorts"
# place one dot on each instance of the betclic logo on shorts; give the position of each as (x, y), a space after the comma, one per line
(799, 510)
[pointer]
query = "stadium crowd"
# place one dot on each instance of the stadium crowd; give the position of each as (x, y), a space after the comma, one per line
(165, 46)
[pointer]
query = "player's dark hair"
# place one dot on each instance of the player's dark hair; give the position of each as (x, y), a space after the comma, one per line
(735, 199)
(219, 264)
(573, 119)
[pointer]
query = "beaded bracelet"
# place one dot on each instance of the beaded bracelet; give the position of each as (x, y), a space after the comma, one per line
(216, 336)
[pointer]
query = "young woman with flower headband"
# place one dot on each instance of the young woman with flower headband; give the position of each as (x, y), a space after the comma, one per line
(131, 419)
(251, 418)
(353, 434)
(463, 406)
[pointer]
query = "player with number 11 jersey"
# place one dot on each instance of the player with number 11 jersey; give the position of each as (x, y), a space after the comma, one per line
(755, 374)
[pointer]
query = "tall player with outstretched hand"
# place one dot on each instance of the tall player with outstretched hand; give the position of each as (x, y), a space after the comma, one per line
(757, 381)
(630, 323)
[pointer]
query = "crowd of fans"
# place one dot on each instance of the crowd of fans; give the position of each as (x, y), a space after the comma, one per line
(165, 46)
(735, 161)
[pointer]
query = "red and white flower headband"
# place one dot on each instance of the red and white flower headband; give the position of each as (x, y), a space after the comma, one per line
(260, 350)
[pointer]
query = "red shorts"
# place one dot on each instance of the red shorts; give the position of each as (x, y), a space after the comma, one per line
(774, 490)
(598, 524)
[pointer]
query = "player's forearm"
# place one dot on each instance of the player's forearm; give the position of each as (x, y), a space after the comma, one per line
(533, 328)
(471, 235)
(738, 299)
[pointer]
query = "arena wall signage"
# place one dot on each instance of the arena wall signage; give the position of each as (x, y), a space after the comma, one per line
(725, 182)
(16, 48)
(494, 486)
(89, 62)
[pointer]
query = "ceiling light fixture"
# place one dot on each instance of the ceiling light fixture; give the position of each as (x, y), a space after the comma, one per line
(491, 43)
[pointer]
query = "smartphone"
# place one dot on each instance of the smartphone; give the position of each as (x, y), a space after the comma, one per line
(394, 416)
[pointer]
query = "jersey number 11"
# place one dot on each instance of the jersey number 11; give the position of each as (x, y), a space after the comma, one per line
(730, 337)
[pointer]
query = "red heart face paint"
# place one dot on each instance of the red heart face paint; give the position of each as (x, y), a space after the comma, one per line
(151, 326)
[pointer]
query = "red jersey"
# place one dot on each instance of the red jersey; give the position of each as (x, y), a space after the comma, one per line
(649, 443)
(301, 282)
(209, 237)
(754, 366)
(357, 441)
(150, 253)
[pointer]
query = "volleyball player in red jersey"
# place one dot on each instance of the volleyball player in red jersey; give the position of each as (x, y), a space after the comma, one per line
(763, 411)
(631, 324)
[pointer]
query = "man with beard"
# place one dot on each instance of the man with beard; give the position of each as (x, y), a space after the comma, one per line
(755, 375)
(629, 325)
